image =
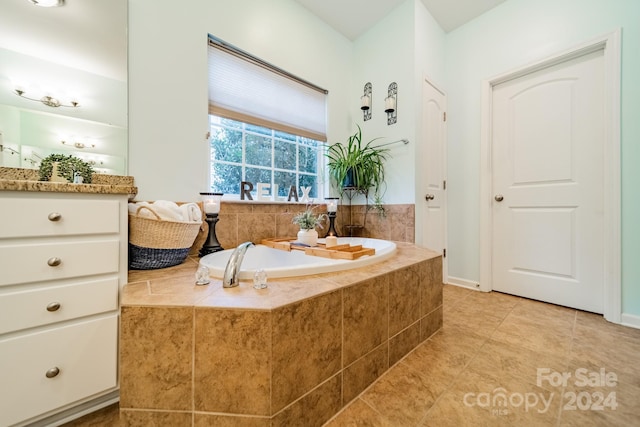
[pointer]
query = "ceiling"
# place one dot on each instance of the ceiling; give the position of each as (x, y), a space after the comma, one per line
(96, 29)
(354, 17)
(47, 33)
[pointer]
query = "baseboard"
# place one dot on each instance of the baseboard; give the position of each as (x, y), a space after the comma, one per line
(631, 320)
(77, 411)
(471, 284)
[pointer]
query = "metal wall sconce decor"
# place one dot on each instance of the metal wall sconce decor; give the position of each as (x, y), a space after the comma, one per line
(365, 102)
(391, 104)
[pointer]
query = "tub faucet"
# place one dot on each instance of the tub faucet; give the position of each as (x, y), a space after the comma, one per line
(232, 270)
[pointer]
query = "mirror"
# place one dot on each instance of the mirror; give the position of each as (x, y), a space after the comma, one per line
(76, 52)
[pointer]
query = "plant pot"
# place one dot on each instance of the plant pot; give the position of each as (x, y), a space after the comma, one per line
(349, 180)
(308, 237)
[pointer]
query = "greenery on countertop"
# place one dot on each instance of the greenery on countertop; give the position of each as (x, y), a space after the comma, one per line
(67, 166)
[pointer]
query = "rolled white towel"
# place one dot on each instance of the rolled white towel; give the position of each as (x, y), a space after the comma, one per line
(133, 209)
(166, 214)
(168, 206)
(191, 212)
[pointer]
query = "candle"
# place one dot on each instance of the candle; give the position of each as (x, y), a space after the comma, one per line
(389, 104)
(210, 206)
(365, 102)
(211, 202)
(332, 205)
(330, 241)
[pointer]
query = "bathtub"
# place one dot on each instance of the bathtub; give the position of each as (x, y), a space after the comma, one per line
(279, 263)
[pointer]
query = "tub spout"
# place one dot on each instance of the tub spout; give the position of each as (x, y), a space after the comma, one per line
(230, 278)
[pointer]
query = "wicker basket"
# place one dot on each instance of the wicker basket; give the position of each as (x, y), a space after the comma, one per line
(157, 243)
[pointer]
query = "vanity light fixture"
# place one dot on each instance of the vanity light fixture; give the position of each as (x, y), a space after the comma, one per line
(47, 100)
(391, 104)
(211, 204)
(9, 149)
(365, 102)
(79, 145)
(47, 3)
(332, 209)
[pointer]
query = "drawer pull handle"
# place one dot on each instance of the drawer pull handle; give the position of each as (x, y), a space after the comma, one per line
(53, 306)
(54, 262)
(54, 216)
(53, 372)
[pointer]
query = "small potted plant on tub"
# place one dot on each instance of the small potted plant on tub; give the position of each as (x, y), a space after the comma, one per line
(308, 221)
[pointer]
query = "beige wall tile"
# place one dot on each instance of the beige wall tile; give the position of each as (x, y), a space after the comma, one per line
(254, 227)
(403, 342)
(306, 346)
(241, 222)
(155, 358)
(364, 371)
(232, 368)
(404, 298)
(226, 231)
(430, 323)
(430, 285)
(315, 408)
(366, 321)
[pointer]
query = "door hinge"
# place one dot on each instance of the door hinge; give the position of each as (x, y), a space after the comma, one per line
(444, 184)
(444, 116)
(444, 253)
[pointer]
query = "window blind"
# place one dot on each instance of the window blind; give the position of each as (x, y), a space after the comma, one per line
(247, 89)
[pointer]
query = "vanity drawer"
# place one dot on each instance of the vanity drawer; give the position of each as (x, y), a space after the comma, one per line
(36, 307)
(31, 263)
(23, 217)
(85, 355)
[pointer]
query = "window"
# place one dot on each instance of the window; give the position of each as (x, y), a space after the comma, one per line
(245, 152)
(267, 126)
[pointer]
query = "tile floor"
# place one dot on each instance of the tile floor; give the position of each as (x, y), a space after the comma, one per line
(500, 360)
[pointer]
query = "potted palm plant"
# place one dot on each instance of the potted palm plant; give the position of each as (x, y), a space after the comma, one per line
(358, 166)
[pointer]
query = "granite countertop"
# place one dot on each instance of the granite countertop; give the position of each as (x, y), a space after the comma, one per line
(17, 179)
(175, 286)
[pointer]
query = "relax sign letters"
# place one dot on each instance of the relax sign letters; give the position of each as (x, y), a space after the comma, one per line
(264, 191)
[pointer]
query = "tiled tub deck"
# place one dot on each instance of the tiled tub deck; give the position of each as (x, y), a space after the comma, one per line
(292, 354)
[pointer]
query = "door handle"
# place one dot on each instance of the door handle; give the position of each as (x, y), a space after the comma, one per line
(499, 198)
(429, 197)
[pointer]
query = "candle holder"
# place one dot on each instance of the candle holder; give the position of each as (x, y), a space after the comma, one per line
(211, 203)
(365, 102)
(332, 209)
(391, 104)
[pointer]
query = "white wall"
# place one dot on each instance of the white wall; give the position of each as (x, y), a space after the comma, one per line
(168, 151)
(509, 36)
(403, 47)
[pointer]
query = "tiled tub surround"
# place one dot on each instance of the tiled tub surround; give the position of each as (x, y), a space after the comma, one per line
(245, 221)
(292, 354)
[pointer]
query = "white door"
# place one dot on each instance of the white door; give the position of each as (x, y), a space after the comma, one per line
(434, 224)
(547, 174)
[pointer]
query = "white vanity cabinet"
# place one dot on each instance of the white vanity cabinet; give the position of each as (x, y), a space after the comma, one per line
(63, 260)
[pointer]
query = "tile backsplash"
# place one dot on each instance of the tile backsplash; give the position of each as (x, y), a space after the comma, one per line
(241, 222)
